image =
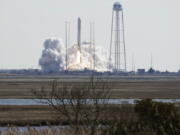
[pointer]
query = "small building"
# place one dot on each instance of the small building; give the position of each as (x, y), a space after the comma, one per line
(141, 71)
(151, 71)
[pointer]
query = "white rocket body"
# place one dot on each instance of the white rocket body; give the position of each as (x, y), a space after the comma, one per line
(79, 34)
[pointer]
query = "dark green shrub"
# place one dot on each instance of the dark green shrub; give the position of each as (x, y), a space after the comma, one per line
(161, 118)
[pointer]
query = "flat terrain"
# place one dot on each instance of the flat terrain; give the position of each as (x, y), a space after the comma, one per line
(122, 87)
(44, 115)
(26, 115)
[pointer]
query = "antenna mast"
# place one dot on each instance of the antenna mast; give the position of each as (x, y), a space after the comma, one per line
(67, 35)
(93, 27)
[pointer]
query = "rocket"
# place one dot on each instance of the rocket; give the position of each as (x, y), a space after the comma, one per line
(79, 34)
(79, 37)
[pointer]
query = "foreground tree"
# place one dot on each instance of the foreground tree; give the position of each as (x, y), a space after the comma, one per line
(83, 105)
(86, 109)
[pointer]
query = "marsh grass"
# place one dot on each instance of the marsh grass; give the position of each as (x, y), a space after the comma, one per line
(119, 121)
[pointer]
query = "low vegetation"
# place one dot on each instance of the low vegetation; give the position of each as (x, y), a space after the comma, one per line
(87, 111)
(152, 118)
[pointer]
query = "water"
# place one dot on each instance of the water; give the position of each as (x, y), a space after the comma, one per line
(24, 129)
(37, 102)
(20, 102)
(110, 101)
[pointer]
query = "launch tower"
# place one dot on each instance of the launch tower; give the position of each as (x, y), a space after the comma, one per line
(117, 58)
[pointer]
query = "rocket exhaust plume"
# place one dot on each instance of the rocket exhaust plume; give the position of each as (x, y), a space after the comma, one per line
(53, 57)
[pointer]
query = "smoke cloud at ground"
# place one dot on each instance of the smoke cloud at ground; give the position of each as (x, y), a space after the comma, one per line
(54, 56)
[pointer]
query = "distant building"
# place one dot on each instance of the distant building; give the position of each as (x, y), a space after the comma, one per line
(151, 71)
(141, 71)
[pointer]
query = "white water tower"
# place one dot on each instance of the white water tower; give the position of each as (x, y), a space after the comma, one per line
(117, 58)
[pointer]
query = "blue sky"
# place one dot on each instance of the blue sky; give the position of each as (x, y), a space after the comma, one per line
(151, 27)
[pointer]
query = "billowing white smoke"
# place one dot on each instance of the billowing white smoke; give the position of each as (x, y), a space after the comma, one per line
(53, 57)
(85, 59)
